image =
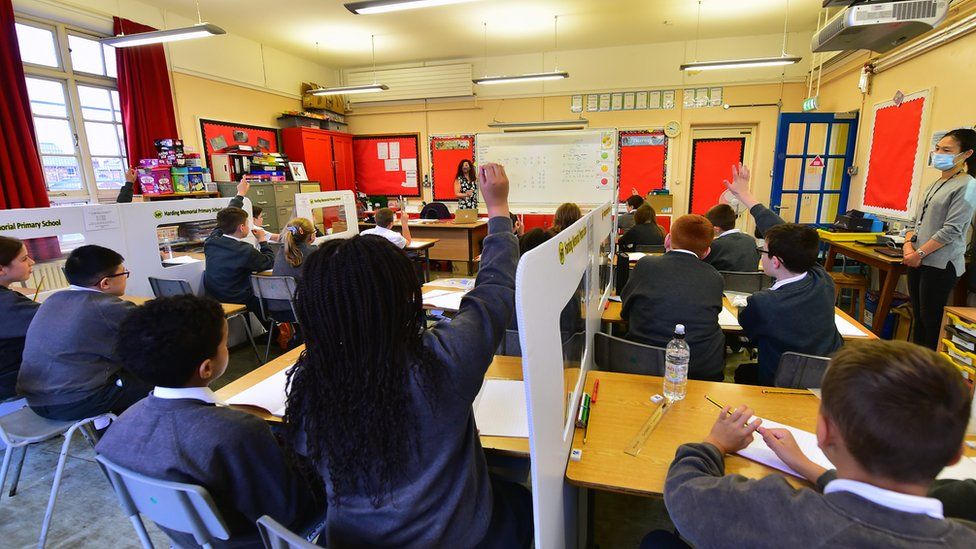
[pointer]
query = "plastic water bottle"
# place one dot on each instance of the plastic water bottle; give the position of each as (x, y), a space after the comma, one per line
(676, 366)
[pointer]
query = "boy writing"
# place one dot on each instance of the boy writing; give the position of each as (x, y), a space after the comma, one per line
(182, 433)
(71, 369)
(881, 403)
(384, 222)
(797, 312)
(230, 260)
(732, 249)
(679, 288)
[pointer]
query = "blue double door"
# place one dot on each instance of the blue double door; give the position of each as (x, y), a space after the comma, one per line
(811, 179)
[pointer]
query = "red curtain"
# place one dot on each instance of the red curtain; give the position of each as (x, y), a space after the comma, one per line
(144, 93)
(21, 175)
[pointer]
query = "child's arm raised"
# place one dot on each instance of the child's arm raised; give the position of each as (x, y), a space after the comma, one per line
(739, 187)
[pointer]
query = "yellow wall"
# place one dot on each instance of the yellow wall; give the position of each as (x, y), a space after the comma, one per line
(947, 71)
(474, 116)
(198, 98)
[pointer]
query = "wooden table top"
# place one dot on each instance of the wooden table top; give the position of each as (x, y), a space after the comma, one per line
(611, 315)
(230, 309)
(502, 367)
(623, 405)
(439, 223)
(418, 244)
(862, 252)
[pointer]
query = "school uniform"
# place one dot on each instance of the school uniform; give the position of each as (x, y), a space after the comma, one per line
(230, 262)
(734, 251)
(771, 513)
(446, 498)
(71, 369)
(677, 288)
(396, 238)
(958, 497)
(17, 312)
(283, 268)
(645, 234)
(794, 314)
(183, 435)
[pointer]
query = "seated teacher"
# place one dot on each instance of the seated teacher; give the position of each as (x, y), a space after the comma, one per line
(466, 186)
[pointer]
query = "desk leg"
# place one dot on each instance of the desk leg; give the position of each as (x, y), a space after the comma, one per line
(889, 279)
(584, 518)
(829, 262)
(427, 265)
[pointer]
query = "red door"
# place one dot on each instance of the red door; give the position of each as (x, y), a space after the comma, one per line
(318, 160)
(342, 155)
(711, 163)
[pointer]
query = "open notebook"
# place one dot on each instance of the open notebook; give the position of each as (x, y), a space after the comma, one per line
(444, 299)
(269, 395)
(758, 451)
(845, 327)
(500, 409)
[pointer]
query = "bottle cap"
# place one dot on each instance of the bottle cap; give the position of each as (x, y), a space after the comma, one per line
(679, 329)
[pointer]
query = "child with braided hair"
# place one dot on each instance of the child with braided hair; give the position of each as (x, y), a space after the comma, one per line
(382, 404)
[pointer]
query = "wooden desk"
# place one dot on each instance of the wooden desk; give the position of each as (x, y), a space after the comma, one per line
(890, 270)
(503, 367)
(230, 309)
(624, 405)
(611, 315)
(456, 241)
(423, 246)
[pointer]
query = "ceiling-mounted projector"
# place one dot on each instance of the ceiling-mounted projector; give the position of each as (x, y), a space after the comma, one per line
(879, 26)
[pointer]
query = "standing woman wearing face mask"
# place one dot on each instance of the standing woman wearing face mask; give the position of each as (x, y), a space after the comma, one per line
(935, 249)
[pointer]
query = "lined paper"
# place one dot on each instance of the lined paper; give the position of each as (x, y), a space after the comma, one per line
(846, 328)
(500, 409)
(449, 301)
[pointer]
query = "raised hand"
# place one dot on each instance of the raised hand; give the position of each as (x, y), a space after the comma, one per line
(243, 187)
(494, 188)
(739, 186)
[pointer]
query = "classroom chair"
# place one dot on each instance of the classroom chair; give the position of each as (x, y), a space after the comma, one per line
(277, 536)
(282, 288)
(650, 248)
(858, 285)
(749, 283)
(613, 354)
(174, 505)
(510, 345)
(169, 287)
(799, 371)
(435, 210)
(22, 428)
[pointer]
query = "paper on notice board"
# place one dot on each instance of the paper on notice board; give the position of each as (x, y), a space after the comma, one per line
(394, 149)
(101, 218)
(500, 409)
(411, 180)
(409, 164)
(392, 164)
(382, 151)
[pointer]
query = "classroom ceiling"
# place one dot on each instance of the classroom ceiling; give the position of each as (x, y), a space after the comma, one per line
(514, 26)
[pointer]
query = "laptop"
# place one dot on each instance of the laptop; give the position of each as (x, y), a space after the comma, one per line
(466, 216)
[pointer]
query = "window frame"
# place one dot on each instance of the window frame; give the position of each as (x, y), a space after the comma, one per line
(66, 75)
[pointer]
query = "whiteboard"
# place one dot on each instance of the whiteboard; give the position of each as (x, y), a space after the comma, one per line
(549, 168)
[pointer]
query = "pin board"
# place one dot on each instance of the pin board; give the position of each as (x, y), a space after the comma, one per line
(549, 168)
(387, 164)
(642, 159)
(218, 135)
(446, 153)
(898, 149)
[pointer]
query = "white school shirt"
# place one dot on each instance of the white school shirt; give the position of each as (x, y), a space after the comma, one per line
(905, 503)
(393, 236)
(783, 282)
(730, 231)
(195, 393)
(689, 252)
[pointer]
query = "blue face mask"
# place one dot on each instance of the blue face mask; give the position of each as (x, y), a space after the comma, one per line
(943, 161)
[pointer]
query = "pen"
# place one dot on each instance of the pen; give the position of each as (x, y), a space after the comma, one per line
(596, 389)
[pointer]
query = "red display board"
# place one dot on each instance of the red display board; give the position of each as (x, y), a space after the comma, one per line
(711, 162)
(641, 162)
(218, 135)
(446, 153)
(379, 173)
(894, 151)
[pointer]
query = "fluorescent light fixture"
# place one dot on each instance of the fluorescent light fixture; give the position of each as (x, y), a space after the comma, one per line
(386, 6)
(345, 90)
(540, 123)
(740, 63)
(530, 77)
(169, 35)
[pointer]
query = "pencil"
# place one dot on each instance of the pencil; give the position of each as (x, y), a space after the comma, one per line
(720, 407)
(801, 393)
(39, 286)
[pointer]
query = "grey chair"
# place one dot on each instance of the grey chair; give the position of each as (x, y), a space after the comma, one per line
(169, 287)
(281, 288)
(613, 354)
(799, 371)
(749, 283)
(277, 536)
(510, 345)
(180, 507)
(20, 429)
(650, 248)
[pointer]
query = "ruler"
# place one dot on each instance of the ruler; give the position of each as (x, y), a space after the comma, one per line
(637, 443)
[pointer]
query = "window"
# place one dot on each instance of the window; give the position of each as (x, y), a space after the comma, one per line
(74, 99)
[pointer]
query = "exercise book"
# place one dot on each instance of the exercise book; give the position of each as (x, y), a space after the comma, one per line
(269, 395)
(759, 452)
(500, 409)
(448, 301)
(727, 319)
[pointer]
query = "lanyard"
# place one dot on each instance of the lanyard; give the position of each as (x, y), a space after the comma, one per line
(931, 195)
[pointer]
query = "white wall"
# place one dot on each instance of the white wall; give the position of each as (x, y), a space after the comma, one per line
(229, 58)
